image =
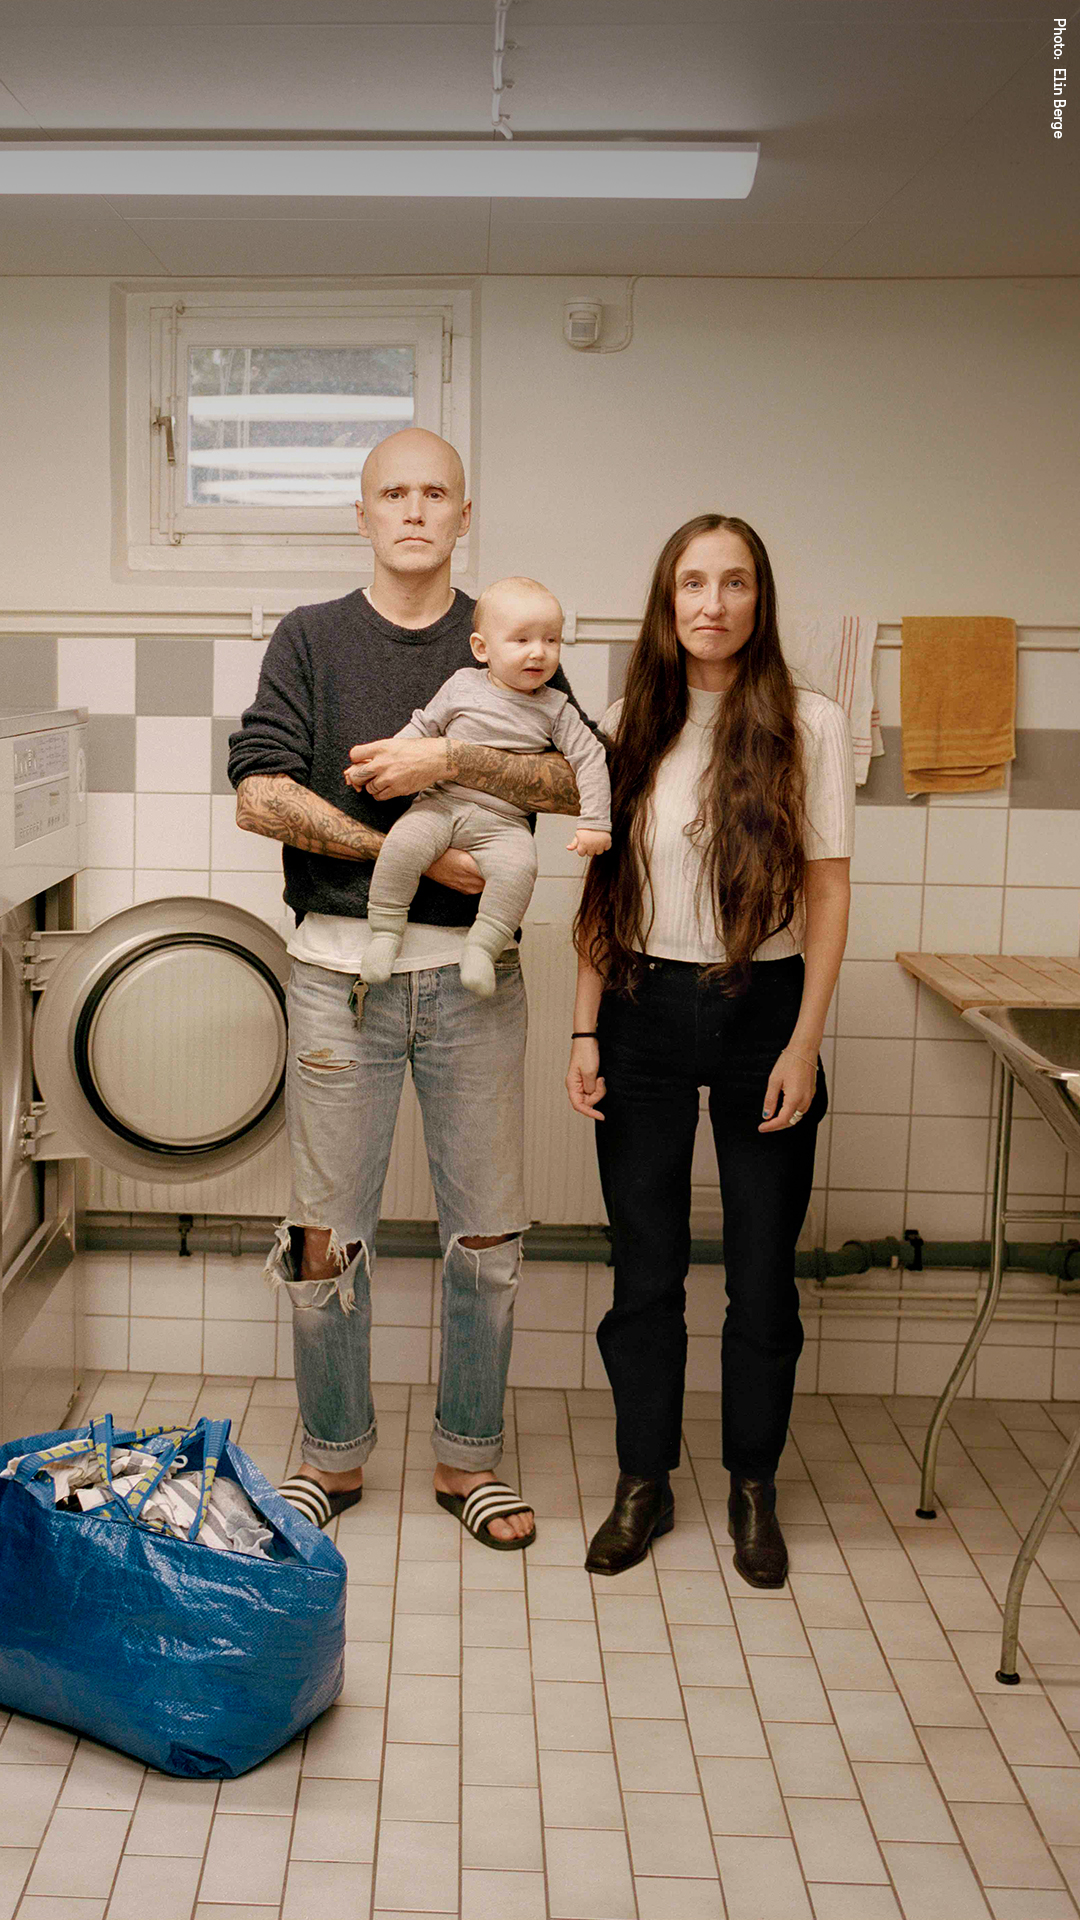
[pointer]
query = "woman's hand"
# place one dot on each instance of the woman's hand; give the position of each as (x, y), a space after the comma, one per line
(584, 1082)
(791, 1088)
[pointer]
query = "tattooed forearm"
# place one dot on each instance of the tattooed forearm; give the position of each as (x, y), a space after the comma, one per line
(538, 782)
(275, 805)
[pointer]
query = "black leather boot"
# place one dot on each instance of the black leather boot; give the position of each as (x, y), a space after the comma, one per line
(760, 1553)
(643, 1510)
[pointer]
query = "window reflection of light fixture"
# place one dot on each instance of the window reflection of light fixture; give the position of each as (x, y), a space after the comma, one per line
(406, 169)
(300, 406)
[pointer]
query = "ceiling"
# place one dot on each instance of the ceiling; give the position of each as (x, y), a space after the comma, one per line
(898, 137)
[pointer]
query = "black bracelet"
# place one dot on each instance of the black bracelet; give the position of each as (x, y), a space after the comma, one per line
(584, 1036)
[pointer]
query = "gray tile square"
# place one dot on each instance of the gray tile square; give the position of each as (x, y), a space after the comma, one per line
(885, 780)
(27, 672)
(1046, 771)
(174, 676)
(110, 753)
(221, 726)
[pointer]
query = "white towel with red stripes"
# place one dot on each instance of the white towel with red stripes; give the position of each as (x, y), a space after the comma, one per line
(835, 654)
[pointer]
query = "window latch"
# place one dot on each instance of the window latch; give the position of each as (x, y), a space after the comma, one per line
(168, 422)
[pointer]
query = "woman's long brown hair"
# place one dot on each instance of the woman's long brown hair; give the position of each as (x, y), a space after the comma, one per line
(750, 819)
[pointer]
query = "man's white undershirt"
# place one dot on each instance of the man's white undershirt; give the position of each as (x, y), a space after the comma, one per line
(337, 942)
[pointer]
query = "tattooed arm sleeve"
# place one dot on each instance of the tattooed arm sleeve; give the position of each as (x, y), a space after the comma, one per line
(275, 804)
(536, 782)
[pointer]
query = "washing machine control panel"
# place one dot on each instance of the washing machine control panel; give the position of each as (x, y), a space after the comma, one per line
(42, 802)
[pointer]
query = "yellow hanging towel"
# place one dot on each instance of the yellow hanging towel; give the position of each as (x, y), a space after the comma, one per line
(957, 703)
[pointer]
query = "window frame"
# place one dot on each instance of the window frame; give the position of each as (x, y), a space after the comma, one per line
(161, 531)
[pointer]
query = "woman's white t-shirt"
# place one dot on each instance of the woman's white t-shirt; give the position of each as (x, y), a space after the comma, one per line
(671, 896)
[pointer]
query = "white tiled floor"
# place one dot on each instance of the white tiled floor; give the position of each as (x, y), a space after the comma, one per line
(516, 1741)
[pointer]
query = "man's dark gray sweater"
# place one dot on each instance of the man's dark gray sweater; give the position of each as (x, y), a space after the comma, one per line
(334, 676)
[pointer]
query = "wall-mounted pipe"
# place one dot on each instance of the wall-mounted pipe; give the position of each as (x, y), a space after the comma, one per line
(395, 1239)
(419, 1239)
(1061, 1258)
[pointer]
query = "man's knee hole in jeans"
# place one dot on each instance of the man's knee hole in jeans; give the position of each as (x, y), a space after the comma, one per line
(322, 1257)
(498, 1273)
(319, 1262)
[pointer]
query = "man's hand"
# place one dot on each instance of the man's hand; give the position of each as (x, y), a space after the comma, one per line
(587, 841)
(456, 869)
(391, 768)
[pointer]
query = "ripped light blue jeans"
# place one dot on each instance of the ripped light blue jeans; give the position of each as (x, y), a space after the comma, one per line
(343, 1085)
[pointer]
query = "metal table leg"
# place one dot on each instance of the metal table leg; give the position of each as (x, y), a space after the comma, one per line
(926, 1509)
(1007, 1673)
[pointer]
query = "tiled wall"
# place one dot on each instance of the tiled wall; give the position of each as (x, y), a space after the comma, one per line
(154, 1312)
(161, 812)
(215, 1314)
(907, 1143)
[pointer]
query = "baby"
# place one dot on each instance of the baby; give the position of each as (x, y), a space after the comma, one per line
(518, 635)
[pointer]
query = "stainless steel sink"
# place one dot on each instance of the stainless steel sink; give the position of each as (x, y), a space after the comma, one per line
(1041, 1045)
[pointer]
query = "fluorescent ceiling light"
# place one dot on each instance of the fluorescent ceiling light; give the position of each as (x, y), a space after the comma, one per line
(413, 169)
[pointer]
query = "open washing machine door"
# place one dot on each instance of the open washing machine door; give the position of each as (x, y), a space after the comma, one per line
(20, 1199)
(159, 1040)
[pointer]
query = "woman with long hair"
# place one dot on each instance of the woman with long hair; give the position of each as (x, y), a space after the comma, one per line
(709, 940)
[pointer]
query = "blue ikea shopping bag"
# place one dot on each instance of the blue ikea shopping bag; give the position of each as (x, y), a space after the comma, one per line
(199, 1661)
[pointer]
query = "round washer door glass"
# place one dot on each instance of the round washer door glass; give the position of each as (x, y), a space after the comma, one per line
(183, 1048)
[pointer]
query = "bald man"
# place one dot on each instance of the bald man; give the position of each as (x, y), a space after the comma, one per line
(316, 767)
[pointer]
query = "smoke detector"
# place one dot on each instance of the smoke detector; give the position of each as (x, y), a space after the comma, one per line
(582, 320)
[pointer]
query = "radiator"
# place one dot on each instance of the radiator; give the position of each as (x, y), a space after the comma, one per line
(561, 1183)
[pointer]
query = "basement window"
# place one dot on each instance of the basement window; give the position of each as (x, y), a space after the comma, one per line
(249, 418)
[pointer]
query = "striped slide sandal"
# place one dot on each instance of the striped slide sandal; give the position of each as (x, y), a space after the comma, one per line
(491, 1500)
(312, 1502)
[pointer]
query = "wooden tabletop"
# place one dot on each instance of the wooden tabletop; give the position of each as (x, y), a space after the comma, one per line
(997, 979)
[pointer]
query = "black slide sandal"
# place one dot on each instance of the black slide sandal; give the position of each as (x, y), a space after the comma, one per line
(491, 1500)
(313, 1503)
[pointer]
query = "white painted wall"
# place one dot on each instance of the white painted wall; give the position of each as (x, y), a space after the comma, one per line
(899, 444)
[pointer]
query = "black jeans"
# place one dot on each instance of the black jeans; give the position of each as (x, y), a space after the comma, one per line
(677, 1034)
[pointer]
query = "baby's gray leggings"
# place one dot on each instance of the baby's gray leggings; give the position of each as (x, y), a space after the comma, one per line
(504, 851)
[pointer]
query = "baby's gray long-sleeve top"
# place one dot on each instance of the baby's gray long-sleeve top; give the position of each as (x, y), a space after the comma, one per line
(469, 706)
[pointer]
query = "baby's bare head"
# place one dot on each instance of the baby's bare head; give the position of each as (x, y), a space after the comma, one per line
(517, 631)
(516, 598)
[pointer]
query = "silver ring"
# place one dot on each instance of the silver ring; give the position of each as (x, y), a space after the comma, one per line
(796, 1116)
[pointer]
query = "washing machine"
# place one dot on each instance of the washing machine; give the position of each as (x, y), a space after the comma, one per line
(153, 1044)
